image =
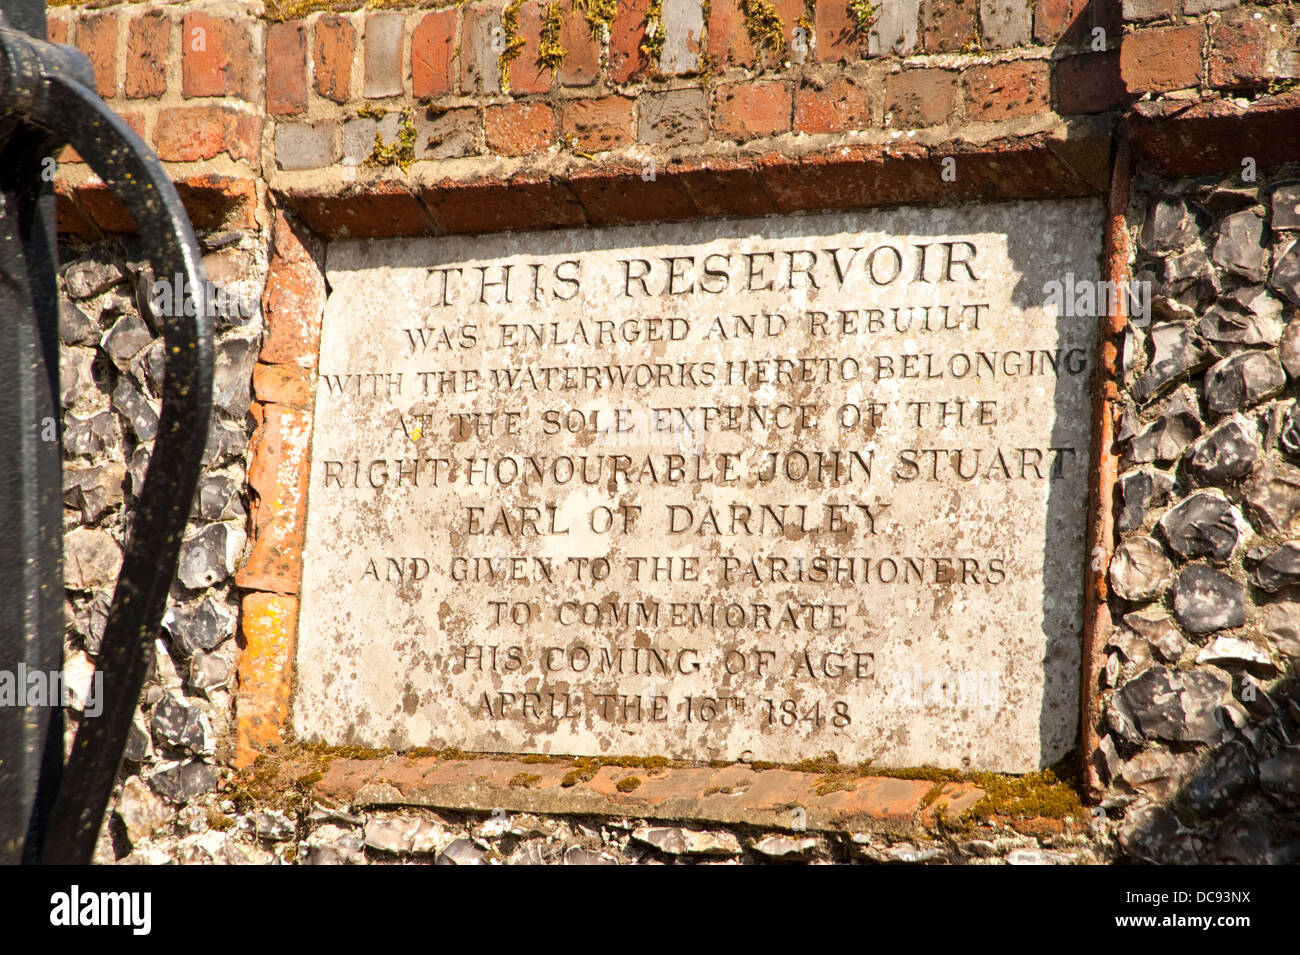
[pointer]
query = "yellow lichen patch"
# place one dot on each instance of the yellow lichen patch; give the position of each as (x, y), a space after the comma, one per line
(652, 44)
(599, 14)
(550, 52)
(401, 151)
(766, 31)
(524, 780)
(628, 783)
(512, 41)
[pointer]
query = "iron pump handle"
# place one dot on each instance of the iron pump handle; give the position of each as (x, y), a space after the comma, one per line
(48, 90)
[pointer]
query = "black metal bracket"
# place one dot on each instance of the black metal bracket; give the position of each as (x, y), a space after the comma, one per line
(50, 812)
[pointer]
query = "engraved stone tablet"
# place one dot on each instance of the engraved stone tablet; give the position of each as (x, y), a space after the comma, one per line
(781, 486)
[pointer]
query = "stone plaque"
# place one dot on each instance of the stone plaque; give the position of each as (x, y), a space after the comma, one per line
(775, 486)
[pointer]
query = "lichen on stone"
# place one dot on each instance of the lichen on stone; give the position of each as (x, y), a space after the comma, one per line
(401, 151)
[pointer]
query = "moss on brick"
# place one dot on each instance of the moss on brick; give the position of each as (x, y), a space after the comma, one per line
(766, 31)
(550, 52)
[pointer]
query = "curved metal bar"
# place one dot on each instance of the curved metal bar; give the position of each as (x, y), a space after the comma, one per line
(65, 107)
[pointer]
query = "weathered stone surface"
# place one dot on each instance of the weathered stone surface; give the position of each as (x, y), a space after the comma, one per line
(91, 558)
(90, 277)
(1280, 776)
(75, 326)
(1289, 432)
(1257, 839)
(181, 782)
(142, 813)
(688, 842)
(1280, 623)
(201, 626)
(131, 404)
(1230, 651)
(1240, 246)
(1203, 524)
(1154, 834)
(417, 577)
(1286, 273)
(1286, 206)
(94, 490)
(462, 852)
(1242, 380)
(1140, 570)
(1177, 705)
(1227, 773)
(1279, 569)
(208, 671)
(180, 724)
(1273, 499)
(209, 556)
(1176, 351)
(1156, 772)
(1141, 489)
(1225, 454)
(787, 848)
(124, 340)
(1289, 348)
(1248, 316)
(1170, 224)
(1206, 600)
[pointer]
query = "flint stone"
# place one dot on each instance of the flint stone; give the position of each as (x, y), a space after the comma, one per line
(1167, 437)
(1175, 705)
(1280, 776)
(1280, 623)
(787, 848)
(1106, 758)
(75, 326)
(202, 626)
(905, 853)
(1176, 350)
(1257, 839)
(138, 742)
(1206, 600)
(1240, 247)
(210, 555)
(577, 855)
(1227, 774)
(1134, 648)
(1203, 525)
(142, 813)
(1227, 453)
(1242, 380)
(1279, 569)
(1234, 651)
(1273, 499)
(208, 671)
(220, 498)
(1170, 224)
(91, 558)
(76, 375)
(1140, 570)
(688, 842)
(1286, 273)
(417, 834)
(1286, 206)
(136, 409)
(1140, 490)
(1156, 772)
(95, 490)
(225, 442)
(125, 339)
(1154, 834)
(461, 852)
(1289, 433)
(232, 375)
(273, 826)
(180, 725)
(99, 434)
(1038, 857)
(1243, 317)
(149, 366)
(181, 782)
(87, 278)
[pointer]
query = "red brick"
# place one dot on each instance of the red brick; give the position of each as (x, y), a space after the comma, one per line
(381, 209)
(947, 25)
(219, 202)
(599, 124)
(190, 133)
(1237, 52)
(217, 57)
(1066, 21)
(294, 298)
(269, 626)
(56, 28)
(289, 385)
(721, 187)
(433, 44)
(842, 104)
(146, 56)
(332, 52)
(105, 208)
(518, 129)
(917, 98)
(748, 110)
(729, 40)
(850, 177)
(619, 193)
(581, 63)
(1089, 84)
(838, 36)
(1006, 90)
(97, 38)
(625, 35)
(1166, 58)
(286, 68)
(526, 74)
(491, 205)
